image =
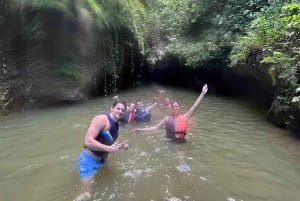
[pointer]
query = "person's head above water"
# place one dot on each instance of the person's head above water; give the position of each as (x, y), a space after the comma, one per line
(175, 108)
(139, 105)
(131, 107)
(154, 99)
(118, 109)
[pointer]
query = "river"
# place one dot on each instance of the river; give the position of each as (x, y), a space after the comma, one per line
(231, 154)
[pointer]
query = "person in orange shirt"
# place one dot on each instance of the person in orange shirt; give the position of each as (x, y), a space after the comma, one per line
(129, 116)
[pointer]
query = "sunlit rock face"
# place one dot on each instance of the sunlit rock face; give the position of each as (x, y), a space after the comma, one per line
(41, 69)
(51, 57)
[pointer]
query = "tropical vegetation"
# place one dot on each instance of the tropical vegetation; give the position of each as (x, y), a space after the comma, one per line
(99, 47)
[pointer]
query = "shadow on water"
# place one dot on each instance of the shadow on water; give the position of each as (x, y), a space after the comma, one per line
(231, 153)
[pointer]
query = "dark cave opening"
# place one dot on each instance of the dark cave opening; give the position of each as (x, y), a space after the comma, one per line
(221, 79)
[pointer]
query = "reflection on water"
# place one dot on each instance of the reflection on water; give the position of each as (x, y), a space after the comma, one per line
(231, 153)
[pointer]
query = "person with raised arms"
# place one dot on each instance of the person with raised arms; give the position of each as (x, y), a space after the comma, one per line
(143, 114)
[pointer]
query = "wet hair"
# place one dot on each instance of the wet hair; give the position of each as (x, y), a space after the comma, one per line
(119, 101)
(132, 103)
(172, 103)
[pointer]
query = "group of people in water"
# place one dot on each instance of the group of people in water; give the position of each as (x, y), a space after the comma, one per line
(138, 112)
(100, 138)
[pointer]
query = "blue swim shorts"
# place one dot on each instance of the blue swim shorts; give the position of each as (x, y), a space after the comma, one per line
(88, 165)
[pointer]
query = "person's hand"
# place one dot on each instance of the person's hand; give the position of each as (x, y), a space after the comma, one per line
(115, 147)
(125, 145)
(135, 130)
(116, 97)
(204, 89)
(161, 91)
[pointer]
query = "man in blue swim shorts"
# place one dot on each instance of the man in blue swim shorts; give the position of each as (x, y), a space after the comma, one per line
(88, 165)
(98, 142)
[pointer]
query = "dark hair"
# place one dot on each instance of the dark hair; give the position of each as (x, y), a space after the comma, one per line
(119, 101)
(174, 102)
(132, 103)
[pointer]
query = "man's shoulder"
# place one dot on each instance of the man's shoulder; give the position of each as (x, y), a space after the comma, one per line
(101, 116)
